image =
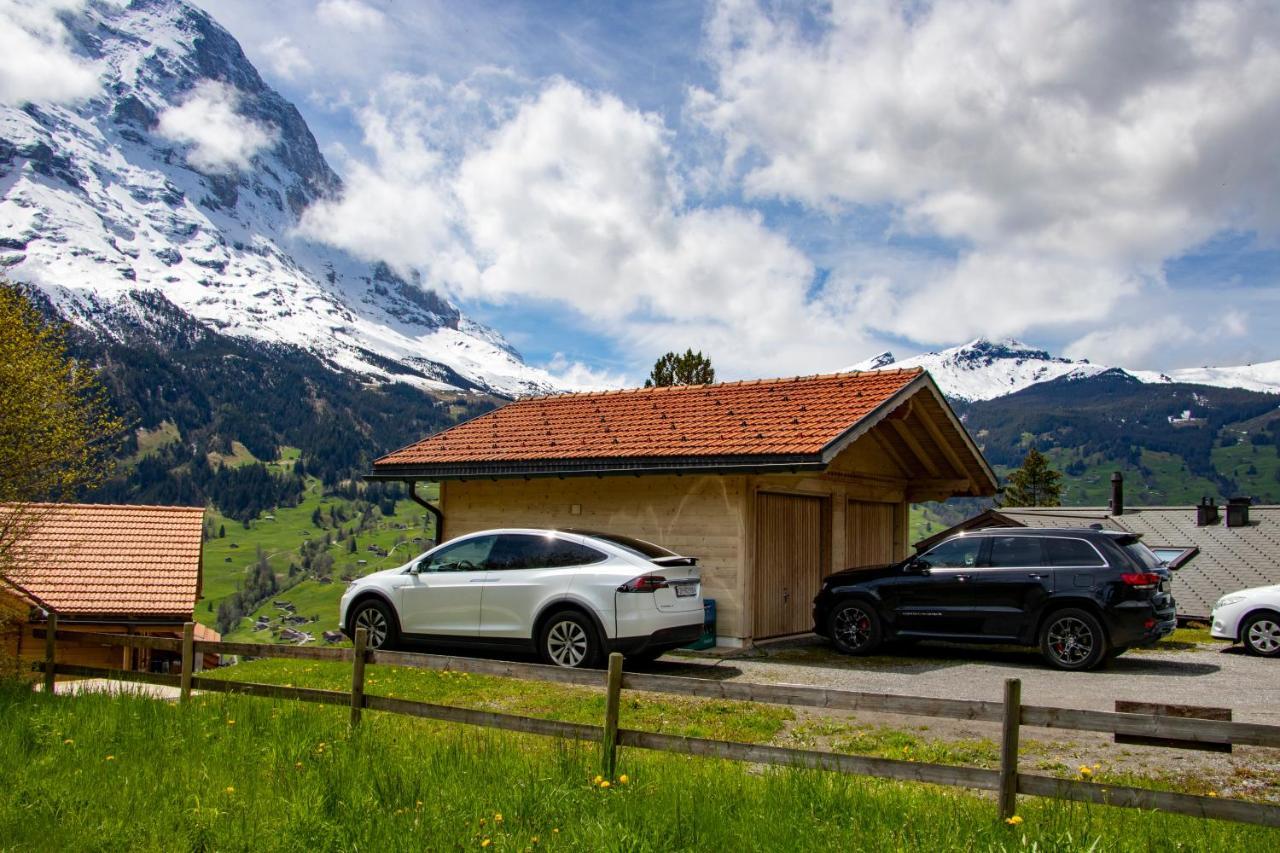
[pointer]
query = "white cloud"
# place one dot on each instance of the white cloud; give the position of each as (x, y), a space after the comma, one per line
(1066, 149)
(221, 138)
(1149, 341)
(36, 62)
(349, 14)
(285, 58)
(576, 376)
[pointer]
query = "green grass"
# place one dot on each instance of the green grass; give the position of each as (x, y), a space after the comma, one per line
(237, 773)
(740, 721)
(1254, 468)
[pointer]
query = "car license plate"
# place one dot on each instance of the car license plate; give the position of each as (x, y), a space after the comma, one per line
(686, 590)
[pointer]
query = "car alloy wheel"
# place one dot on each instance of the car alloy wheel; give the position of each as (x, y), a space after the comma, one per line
(567, 643)
(1071, 641)
(372, 619)
(855, 628)
(1262, 636)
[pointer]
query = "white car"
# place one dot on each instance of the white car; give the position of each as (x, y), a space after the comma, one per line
(571, 596)
(1251, 617)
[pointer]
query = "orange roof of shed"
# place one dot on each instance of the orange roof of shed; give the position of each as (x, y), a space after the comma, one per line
(95, 559)
(764, 418)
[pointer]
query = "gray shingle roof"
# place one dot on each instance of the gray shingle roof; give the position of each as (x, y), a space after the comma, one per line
(1229, 559)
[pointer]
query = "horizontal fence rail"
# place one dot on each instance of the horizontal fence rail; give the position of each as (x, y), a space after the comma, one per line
(1007, 781)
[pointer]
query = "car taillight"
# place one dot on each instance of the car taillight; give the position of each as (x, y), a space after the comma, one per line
(1140, 580)
(644, 583)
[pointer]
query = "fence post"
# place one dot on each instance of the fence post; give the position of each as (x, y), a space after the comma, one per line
(612, 699)
(357, 675)
(188, 659)
(50, 650)
(1009, 748)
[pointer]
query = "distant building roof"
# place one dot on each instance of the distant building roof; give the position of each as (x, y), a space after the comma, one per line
(99, 560)
(1229, 558)
(776, 423)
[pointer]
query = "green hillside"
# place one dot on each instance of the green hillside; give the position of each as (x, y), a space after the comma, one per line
(232, 551)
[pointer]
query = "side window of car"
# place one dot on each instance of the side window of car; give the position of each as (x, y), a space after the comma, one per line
(954, 554)
(520, 551)
(1071, 552)
(1015, 552)
(468, 556)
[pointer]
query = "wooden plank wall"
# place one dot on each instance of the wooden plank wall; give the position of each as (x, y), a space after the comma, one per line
(699, 515)
(871, 533)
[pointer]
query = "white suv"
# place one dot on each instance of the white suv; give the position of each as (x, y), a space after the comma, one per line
(569, 595)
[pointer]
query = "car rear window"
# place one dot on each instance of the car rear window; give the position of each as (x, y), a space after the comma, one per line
(1015, 551)
(639, 547)
(1139, 553)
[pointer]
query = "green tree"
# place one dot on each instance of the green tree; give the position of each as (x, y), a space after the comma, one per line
(1036, 483)
(692, 368)
(58, 435)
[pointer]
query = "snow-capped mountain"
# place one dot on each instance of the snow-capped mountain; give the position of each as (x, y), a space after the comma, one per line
(119, 194)
(983, 370)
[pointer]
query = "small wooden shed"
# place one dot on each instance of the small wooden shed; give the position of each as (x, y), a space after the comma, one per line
(103, 569)
(772, 484)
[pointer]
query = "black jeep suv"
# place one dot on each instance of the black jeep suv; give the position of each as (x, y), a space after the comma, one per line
(1080, 595)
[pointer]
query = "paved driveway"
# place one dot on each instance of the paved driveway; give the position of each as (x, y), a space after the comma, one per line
(1213, 675)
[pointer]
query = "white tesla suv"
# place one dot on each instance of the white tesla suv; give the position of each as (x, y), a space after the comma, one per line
(569, 595)
(1251, 617)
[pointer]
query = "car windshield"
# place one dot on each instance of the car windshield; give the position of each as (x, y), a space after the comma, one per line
(639, 547)
(1140, 554)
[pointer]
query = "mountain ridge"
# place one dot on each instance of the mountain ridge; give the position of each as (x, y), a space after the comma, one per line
(104, 198)
(984, 369)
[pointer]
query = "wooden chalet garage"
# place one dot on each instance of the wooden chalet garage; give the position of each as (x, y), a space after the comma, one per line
(109, 569)
(772, 484)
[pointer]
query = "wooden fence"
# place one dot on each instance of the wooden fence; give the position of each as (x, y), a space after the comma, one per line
(1007, 782)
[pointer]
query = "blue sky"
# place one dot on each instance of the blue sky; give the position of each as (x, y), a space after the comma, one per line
(793, 187)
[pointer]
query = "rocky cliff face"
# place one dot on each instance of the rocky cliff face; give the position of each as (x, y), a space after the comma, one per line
(137, 191)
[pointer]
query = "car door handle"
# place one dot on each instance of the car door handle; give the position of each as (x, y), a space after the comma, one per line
(1036, 576)
(963, 578)
(485, 580)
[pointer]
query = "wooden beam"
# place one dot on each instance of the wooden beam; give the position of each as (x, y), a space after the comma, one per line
(943, 445)
(904, 432)
(888, 450)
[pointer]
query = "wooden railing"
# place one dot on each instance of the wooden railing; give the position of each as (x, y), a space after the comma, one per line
(1007, 781)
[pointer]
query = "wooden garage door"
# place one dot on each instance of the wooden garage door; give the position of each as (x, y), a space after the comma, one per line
(870, 531)
(792, 536)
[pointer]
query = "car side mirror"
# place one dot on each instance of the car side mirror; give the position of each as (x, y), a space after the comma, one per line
(918, 567)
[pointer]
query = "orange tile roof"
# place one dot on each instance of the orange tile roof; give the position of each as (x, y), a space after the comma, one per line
(773, 418)
(83, 559)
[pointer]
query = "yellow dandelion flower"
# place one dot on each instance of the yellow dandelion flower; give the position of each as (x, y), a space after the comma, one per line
(231, 722)
(555, 831)
(598, 779)
(623, 779)
(1213, 793)
(297, 765)
(482, 821)
(230, 790)
(110, 758)
(604, 784)
(485, 843)
(1013, 821)
(497, 818)
(534, 839)
(1085, 771)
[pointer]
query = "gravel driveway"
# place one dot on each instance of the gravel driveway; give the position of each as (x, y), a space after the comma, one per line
(1213, 675)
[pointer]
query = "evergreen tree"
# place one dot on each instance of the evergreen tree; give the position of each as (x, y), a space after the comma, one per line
(692, 368)
(351, 545)
(1036, 483)
(222, 531)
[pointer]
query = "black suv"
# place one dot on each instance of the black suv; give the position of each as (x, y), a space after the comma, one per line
(1080, 595)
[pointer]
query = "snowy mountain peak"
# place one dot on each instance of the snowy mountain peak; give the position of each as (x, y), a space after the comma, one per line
(984, 369)
(185, 174)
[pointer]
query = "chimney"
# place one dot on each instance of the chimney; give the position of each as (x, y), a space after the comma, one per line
(1117, 493)
(1207, 513)
(1238, 511)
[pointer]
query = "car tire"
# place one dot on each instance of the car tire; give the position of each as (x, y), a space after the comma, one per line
(1073, 640)
(569, 639)
(1261, 635)
(854, 627)
(376, 615)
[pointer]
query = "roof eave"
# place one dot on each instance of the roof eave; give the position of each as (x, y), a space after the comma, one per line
(599, 468)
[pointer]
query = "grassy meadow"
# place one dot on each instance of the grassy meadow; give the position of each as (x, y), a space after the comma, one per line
(236, 773)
